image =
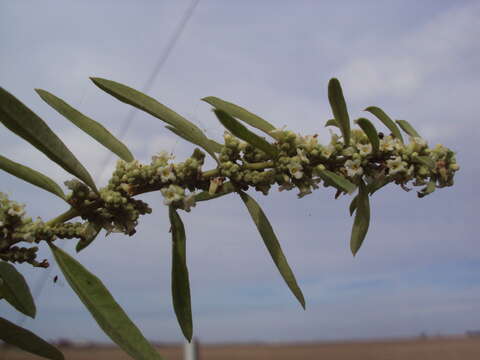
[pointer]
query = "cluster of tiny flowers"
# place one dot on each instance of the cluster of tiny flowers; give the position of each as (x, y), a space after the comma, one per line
(161, 174)
(300, 163)
(115, 211)
(301, 159)
(15, 227)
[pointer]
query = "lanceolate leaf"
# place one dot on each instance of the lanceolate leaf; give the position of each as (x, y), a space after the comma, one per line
(272, 244)
(90, 233)
(240, 114)
(243, 133)
(15, 290)
(103, 307)
(25, 123)
(405, 125)
(180, 281)
(31, 176)
(353, 205)
(332, 122)
(339, 108)
(28, 341)
(337, 181)
(90, 126)
(385, 119)
(144, 102)
(371, 133)
(362, 219)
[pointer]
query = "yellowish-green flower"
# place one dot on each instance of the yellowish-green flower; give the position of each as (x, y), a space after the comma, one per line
(327, 151)
(353, 167)
(16, 209)
(166, 173)
(387, 144)
(364, 149)
(172, 193)
(295, 169)
(396, 165)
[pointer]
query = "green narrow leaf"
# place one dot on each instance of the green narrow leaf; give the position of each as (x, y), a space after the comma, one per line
(32, 176)
(371, 133)
(180, 283)
(88, 125)
(15, 289)
(22, 121)
(430, 188)
(353, 205)
(332, 122)
(339, 108)
(371, 188)
(240, 114)
(243, 133)
(103, 307)
(362, 219)
(405, 126)
(90, 233)
(425, 160)
(225, 189)
(337, 181)
(272, 244)
(26, 340)
(148, 104)
(385, 119)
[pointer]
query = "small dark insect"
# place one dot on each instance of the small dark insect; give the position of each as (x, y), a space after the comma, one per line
(55, 279)
(381, 135)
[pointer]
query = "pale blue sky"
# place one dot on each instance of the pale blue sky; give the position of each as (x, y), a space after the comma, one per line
(419, 268)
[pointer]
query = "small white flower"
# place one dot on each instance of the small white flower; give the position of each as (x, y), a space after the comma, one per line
(396, 165)
(387, 144)
(172, 193)
(364, 149)
(327, 151)
(166, 173)
(1, 223)
(162, 158)
(16, 210)
(295, 169)
(353, 167)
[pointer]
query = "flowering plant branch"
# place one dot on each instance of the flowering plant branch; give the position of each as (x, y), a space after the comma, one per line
(361, 159)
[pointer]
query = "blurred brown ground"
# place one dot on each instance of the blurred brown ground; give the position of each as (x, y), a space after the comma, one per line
(455, 348)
